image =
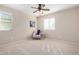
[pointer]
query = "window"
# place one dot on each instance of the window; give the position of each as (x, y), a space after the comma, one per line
(49, 24)
(5, 21)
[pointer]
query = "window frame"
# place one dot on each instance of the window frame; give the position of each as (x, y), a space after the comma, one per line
(50, 27)
(5, 22)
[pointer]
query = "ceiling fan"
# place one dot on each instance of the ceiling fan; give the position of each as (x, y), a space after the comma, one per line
(41, 7)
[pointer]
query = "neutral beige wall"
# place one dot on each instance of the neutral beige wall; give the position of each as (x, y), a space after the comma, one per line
(31, 29)
(67, 24)
(20, 29)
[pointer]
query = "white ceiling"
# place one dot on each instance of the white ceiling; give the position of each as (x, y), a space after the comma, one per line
(26, 8)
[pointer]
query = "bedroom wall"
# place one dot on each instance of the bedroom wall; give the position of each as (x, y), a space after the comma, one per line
(20, 28)
(66, 23)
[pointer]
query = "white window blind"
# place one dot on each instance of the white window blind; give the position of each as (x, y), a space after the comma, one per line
(49, 24)
(5, 21)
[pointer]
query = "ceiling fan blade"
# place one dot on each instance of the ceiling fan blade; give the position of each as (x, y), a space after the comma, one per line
(35, 11)
(46, 9)
(34, 7)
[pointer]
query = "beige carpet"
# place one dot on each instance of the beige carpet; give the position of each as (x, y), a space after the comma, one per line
(40, 47)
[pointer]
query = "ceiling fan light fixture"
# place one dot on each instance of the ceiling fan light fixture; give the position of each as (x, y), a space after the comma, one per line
(40, 8)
